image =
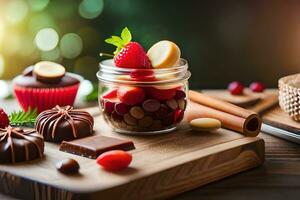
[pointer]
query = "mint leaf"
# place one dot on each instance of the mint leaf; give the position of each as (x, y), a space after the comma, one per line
(22, 118)
(126, 35)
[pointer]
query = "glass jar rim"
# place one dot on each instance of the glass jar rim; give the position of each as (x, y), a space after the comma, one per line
(107, 67)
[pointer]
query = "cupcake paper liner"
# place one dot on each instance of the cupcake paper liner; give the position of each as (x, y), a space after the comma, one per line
(45, 98)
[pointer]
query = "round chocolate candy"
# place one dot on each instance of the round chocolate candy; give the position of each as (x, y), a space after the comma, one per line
(151, 105)
(121, 108)
(130, 120)
(205, 124)
(145, 122)
(48, 72)
(137, 112)
(68, 166)
(162, 112)
(172, 103)
(181, 103)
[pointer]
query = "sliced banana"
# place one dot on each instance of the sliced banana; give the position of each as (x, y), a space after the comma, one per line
(164, 54)
(47, 71)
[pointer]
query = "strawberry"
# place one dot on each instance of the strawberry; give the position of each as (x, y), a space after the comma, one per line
(131, 95)
(114, 160)
(4, 120)
(142, 75)
(161, 94)
(128, 54)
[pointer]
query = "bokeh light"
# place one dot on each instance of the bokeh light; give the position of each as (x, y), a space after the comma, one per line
(46, 39)
(1, 65)
(4, 89)
(38, 5)
(86, 87)
(70, 45)
(16, 11)
(90, 9)
(53, 55)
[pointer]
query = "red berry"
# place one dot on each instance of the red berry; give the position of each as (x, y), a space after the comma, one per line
(132, 56)
(161, 94)
(110, 94)
(236, 88)
(121, 108)
(4, 120)
(131, 95)
(114, 160)
(142, 75)
(257, 87)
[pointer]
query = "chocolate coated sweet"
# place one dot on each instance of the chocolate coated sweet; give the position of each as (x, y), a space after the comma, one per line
(68, 166)
(93, 146)
(48, 72)
(17, 145)
(64, 123)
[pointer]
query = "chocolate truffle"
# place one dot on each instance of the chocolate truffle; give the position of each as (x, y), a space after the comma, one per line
(17, 145)
(64, 123)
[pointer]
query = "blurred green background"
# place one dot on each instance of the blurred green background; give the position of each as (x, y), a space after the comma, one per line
(222, 40)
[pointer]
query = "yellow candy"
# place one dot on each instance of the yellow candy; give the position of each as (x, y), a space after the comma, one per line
(205, 124)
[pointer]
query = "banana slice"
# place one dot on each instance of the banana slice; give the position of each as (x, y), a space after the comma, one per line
(164, 54)
(47, 71)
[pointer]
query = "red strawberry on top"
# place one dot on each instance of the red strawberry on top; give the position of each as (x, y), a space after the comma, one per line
(128, 54)
(4, 120)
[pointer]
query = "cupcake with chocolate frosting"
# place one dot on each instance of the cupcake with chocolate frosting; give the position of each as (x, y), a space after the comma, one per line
(45, 85)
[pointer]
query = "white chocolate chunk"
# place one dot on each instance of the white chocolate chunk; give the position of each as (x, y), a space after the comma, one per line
(205, 124)
(49, 69)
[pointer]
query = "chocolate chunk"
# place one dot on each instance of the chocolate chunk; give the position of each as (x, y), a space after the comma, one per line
(17, 145)
(172, 103)
(68, 166)
(145, 122)
(137, 112)
(130, 120)
(151, 105)
(64, 123)
(181, 103)
(121, 108)
(93, 146)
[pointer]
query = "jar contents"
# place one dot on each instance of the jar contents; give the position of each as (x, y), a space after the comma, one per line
(144, 92)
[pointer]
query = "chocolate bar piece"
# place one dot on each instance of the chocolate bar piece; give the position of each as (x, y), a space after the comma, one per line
(93, 146)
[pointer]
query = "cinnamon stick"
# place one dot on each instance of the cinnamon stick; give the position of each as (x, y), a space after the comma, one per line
(232, 117)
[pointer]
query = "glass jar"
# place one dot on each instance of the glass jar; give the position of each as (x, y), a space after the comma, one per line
(143, 101)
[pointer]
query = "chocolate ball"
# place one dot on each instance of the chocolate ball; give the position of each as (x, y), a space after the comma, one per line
(17, 145)
(64, 123)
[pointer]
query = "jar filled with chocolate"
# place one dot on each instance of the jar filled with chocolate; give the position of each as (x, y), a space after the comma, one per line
(143, 101)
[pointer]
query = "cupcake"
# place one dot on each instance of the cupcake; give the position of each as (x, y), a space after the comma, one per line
(45, 85)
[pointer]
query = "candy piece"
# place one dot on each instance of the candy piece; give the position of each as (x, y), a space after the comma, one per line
(131, 95)
(205, 124)
(93, 146)
(169, 119)
(172, 103)
(109, 106)
(181, 103)
(164, 54)
(28, 71)
(151, 105)
(137, 112)
(236, 88)
(178, 116)
(48, 72)
(145, 122)
(121, 108)
(162, 112)
(114, 160)
(180, 94)
(161, 94)
(257, 87)
(116, 117)
(130, 120)
(68, 166)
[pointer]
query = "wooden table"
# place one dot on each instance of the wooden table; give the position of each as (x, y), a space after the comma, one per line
(278, 178)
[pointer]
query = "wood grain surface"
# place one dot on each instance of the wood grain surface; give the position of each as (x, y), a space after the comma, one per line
(163, 166)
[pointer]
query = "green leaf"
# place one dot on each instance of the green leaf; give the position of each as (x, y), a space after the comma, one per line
(126, 35)
(120, 42)
(21, 118)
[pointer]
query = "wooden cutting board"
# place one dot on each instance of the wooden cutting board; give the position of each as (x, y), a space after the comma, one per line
(278, 118)
(258, 102)
(163, 166)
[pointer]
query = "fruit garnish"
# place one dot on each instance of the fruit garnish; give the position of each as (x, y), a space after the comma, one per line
(4, 120)
(236, 88)
(161, 94)
(142, 75)
(114, 160)
(164, 54)
(131, 95)
(47, 71)
(128, 54)
(257, 87)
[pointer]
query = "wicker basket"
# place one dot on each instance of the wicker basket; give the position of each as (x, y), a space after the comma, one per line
(289, 95)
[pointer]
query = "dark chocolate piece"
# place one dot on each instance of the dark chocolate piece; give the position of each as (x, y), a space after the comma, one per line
(68, 166)
(64, 123)
(17, 145)
(93, 146)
